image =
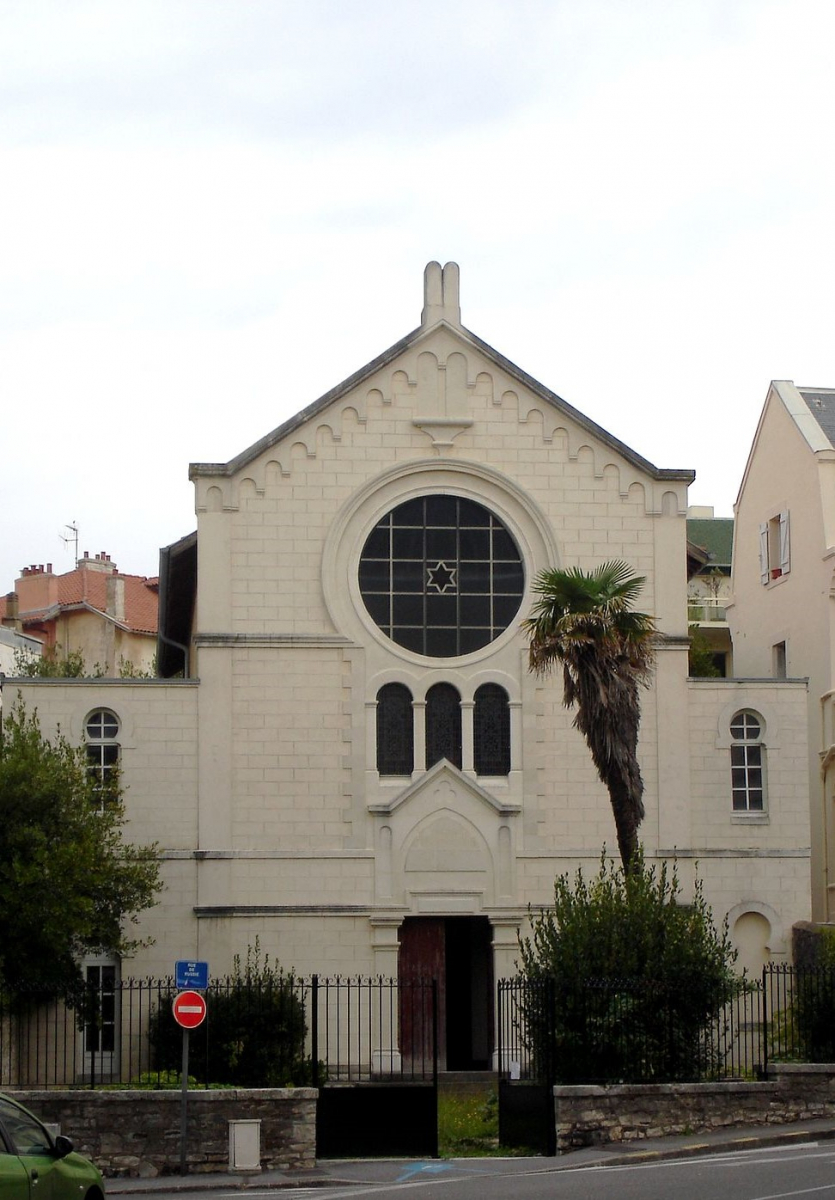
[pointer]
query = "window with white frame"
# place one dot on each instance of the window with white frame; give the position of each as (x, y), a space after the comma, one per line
(747, 763)
(101, 731)
(775, 548)
(100, 1041)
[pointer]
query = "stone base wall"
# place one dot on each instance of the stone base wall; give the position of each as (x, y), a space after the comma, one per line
(138, 1133)
(596, 1116)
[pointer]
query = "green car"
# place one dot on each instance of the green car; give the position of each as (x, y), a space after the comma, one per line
(36, 1166)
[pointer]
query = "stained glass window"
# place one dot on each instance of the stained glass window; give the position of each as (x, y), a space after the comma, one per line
(443, 725)
(491, 730)
(441, 575)
(395, 730)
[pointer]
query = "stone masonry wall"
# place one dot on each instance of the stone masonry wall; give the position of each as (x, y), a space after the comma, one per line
(138, 1133)
(595, 1116)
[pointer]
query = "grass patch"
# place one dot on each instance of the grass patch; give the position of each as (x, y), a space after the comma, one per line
(468, 1126)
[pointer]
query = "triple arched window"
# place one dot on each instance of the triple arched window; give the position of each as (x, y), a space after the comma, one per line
(443, 716)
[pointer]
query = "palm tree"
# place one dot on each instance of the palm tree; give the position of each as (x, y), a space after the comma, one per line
(585, 622)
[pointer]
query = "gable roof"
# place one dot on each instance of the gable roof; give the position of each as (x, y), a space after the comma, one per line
(714, 535)
(431, 322)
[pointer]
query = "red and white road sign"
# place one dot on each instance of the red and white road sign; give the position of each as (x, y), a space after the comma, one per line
(189, 1009)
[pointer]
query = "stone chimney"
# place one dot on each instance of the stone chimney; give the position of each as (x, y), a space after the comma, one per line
(12, 618)
(116, 597)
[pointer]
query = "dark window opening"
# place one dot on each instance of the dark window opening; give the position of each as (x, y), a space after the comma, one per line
(443, 725)
(395, 730)
(491, 730)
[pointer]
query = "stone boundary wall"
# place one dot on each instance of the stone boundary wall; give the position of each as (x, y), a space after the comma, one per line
(595, 1116)
(137, 1133)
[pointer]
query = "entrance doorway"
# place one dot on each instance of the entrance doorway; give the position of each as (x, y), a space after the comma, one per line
(457, 951)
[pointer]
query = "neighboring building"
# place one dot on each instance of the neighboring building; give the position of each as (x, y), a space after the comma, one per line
(109, 617)
(357, 767)
(13, 643)
(782, 618)
(710, 546)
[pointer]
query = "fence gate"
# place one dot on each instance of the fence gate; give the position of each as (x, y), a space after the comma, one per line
(527, 1070)
(374, 1048)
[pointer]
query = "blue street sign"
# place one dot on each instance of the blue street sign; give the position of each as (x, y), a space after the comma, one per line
(192, 975)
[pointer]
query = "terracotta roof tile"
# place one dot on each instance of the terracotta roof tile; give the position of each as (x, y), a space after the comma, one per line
(84, 585)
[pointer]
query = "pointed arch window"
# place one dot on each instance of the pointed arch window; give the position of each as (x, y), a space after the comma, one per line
(395, 730)
(491, 730)
(443, 725)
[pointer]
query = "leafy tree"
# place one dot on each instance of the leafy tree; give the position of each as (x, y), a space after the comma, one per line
(627, 982)
(585, 623)
(68, 880)
(700, 657)
(254, 1031)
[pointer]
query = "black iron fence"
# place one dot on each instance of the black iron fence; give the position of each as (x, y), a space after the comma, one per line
(636, 1031)
(291, 1030)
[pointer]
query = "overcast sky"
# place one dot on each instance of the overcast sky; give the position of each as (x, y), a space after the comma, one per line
(212, 211)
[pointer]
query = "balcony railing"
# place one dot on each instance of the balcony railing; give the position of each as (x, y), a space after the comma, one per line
(706, 608)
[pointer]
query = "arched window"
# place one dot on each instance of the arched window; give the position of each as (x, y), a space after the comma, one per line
(101, 730)
(747, 763)
(491, 730)
(395, 730)
(443, 725)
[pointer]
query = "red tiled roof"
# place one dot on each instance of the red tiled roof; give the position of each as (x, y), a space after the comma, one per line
(85, 585)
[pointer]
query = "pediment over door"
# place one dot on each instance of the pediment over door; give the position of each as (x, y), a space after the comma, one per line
(445, 845)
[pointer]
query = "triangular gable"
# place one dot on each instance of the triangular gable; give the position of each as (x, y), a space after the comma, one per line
(444, 769)
(435, 316)
(784, 392)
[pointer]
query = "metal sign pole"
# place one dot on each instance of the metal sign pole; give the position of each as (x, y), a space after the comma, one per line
(184, 1105)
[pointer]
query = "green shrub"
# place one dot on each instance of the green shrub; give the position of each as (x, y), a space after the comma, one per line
(253, 1035)
(626, 982)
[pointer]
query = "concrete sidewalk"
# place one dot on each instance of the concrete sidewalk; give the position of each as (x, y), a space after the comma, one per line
(368, 1172)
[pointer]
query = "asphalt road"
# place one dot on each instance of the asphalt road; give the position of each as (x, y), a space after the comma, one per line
(767, 1173)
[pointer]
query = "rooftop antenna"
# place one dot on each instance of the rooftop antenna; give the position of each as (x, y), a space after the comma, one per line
(71, 536)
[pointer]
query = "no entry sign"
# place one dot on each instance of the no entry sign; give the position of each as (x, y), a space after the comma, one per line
(189, 1009)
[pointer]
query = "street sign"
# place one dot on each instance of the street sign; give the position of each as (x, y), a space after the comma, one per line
(191, 975)
(189, 1009)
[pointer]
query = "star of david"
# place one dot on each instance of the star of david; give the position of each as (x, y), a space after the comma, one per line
(441, 579)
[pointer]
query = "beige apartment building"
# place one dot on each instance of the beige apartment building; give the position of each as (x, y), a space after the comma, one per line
(782, 618)
(349, 759)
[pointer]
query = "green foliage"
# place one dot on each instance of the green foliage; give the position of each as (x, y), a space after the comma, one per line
(813, 1007)
(700, 658)
(627, 979)
(129, 670)
(52, 664)
(254, 1031)
(468, 1125)
(68, 881)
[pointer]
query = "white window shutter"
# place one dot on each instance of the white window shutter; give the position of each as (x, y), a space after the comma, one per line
(764, 553)
(785, 548)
